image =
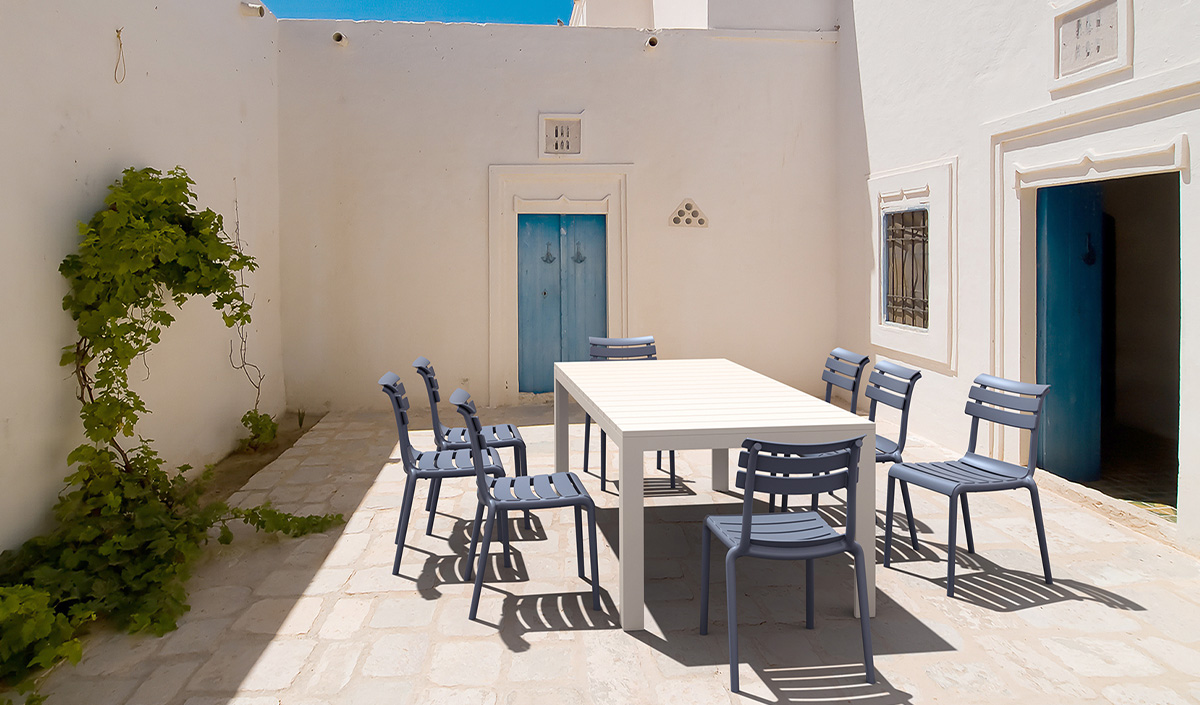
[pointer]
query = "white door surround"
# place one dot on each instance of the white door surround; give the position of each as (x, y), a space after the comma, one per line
(547, 188)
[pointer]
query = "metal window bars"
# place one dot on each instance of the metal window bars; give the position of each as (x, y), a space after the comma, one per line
(907, 265)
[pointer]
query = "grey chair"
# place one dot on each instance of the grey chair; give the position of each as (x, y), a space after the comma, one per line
(446, 438)
(641, 348)
(892, 385)
(500, 495)
(843, 369)
(1000, 401)
(785, 468)
(428, 465)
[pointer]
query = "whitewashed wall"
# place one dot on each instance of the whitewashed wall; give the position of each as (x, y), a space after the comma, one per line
(948, 80)
(199, 91)
(385, 148)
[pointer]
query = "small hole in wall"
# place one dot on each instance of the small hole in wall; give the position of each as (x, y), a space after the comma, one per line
(678, 220)
(687, 221)
(652, 42)
(338, 37)
(700, 221)
(688, 206)
(682, 213)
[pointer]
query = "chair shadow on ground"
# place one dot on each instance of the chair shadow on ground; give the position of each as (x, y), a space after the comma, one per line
(520, 614)
(654, 486)
(791, 663)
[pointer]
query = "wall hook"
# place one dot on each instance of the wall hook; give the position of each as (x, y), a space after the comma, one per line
(549, 256)
(579, 256)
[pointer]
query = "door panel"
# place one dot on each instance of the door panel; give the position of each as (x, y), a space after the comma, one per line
(584, 307)
(561, 293)
(1070, 253)
(539, 301)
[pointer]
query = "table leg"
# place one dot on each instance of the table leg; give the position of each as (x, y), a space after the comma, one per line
(720, 469)
(632, 539)
(562, 441)
(864, 526)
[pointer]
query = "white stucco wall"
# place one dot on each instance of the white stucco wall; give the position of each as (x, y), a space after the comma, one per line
(199, 92)
(971, 82)
(385, 151)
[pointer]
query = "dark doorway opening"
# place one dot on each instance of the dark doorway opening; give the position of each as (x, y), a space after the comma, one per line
(1108, 335)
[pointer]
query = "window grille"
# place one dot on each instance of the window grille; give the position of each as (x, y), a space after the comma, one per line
(906, 252)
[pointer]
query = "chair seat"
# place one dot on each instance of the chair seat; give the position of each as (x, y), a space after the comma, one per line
(551, 489)
(455, 463)
(502, 435)
(973, 473)
(885, 449)
(784, 530)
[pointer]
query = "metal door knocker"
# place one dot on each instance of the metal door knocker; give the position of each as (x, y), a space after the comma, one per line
(549, 256)
(579, 257)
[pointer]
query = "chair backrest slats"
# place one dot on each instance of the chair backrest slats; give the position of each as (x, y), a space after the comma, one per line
(1001, 416)
(847, 383)
(394, 389)
(605, 352)
(1007, 401)
(641, 340)
(462, 402)
(879, 394)
(794, 484)
(882, 377)
(814, 462)
(641, 348)
(844, 369)
(799, 462)
(425, 368)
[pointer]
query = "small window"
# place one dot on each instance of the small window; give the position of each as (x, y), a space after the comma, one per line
(906, 267)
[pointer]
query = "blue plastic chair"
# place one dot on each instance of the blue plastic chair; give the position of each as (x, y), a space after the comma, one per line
(428, 465)
(446, 438)
(786, 468)
(500, 495)
(1000, 401)
(843, 369)
(641, 348)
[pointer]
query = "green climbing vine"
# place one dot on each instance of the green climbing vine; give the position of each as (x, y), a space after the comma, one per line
(128, 530)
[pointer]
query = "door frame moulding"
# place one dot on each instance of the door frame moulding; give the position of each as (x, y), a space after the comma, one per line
(1128, 129)
(571, 189)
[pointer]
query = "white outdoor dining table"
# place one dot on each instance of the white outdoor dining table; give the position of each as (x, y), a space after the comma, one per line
(650, 405)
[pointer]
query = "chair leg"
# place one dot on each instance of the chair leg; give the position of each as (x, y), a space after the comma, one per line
(504, 537)
(579, 538)
(1041, 532)
(483, 556)
(705, 545)
(810, 594)
(587, 437)
(435, 488)
(603, 460)
(912, 525)
(967, 523)
(521, 458)
(672, 469)
(950, 545)
(864, 610)
(888, 518)
(410, 488)
(591, 511)
(731, 611)
(474, 541)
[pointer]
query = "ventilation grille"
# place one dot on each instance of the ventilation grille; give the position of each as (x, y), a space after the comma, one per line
(563, 136)
(688, 215)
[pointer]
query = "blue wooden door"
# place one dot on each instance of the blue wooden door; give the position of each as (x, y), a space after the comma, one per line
(1070, 266)
(561, 293)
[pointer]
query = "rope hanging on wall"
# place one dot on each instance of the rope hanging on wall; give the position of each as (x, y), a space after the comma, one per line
(119, 69)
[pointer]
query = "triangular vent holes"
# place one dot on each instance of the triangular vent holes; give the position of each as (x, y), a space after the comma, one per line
(688, 215)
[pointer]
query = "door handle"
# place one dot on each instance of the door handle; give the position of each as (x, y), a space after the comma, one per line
(1089, 257)
(549, 257)
(579, 256)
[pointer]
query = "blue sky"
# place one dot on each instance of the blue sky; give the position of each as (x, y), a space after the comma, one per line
(501, 11)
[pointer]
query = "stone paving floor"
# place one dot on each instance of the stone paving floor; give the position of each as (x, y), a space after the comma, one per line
(321, 619)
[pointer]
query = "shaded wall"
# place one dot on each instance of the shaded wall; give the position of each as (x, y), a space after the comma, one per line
(198, 91)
